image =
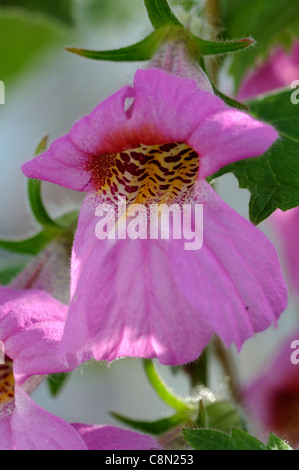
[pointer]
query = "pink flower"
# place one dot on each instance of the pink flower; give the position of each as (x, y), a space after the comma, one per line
(154, 142)
(272, 400)
(286, 225)
(113, 438)
(31, 325)
(280, 70)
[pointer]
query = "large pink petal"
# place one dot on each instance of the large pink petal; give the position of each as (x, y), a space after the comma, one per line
(152, 298)
(165, 109)
(126, 301)
(64, 164)
(235, 280)
(31, 325)
(168, 108)
(113, 438)
(171, 109)
(33, 428)
(227, 136)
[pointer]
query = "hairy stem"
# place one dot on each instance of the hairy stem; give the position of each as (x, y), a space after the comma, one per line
(212, 18)
(228, 365)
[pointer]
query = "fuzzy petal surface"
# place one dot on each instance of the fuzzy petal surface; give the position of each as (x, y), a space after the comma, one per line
(238, 293)
(113, 438)
(153, 298)
(131, 279)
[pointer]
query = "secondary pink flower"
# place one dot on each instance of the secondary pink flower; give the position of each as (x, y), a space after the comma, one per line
(272, 400)
(157, 142)
(31, 325)
(286, 225)
(279, 71)
(49, 270)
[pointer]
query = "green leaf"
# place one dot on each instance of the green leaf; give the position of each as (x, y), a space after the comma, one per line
(275, 443)
(56, 382)
(222, 415)
(243, 441)
(142, 50)
(42, 146)
(229, 101)
(186, 4)
(207, 439)
(9, 273)
(160, 13)
(57, 9)
(33, 245)
(153, 427)
(273, 178)
(269, 22)
(223, 47)
(163, 391)
(145, 49)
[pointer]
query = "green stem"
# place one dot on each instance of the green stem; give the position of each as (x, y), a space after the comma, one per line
(212, 19)
(198, 370)
(163, 391)
(229, 368)
(35, 195)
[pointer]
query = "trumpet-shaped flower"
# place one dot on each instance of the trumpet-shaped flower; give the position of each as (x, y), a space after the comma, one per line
(286, 225)
(279, 71)
(156, 143)
(272, 399)
(31, 325)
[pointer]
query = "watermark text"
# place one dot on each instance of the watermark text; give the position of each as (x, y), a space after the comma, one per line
(155, 221)
(295, 94)
(2, 92)
(295, 353)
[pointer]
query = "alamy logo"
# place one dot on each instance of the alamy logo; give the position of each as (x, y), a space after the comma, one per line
(2, 93)
(155, 221)
(2, 353)
(295, 94)
(295, 354)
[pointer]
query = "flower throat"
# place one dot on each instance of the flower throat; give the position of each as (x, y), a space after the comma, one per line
(147, 174)
(7, 382)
